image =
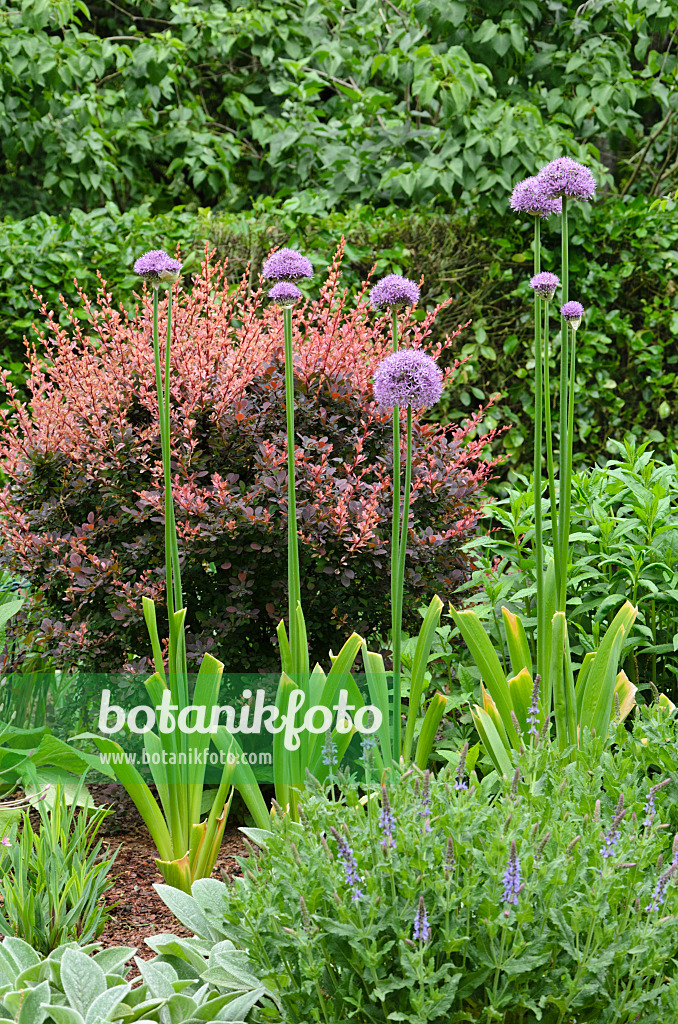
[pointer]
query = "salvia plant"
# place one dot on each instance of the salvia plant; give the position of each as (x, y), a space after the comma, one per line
(588, 701)
(433, 900)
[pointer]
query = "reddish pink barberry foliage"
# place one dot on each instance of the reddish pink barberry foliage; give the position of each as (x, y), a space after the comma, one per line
(82, 506)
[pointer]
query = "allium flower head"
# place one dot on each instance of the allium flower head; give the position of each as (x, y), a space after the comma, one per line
(566, 177)
(394, 290)
(528, 197)
(572, 312)
(158, 268)
(286, 265)
(408, 377)
(545, 284)
(285, 293)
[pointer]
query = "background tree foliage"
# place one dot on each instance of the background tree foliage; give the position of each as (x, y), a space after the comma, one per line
(402, 124)
(437, 101)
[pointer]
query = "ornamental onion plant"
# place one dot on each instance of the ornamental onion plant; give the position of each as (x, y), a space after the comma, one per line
(187, 846)
(406, 378)
(509, 703)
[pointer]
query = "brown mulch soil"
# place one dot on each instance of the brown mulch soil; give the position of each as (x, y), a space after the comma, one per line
(140, 912)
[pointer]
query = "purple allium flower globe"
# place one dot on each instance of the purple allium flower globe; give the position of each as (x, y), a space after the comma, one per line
(286, 265)
(285, 293)
(572, 312)
(408, 377)
(157, 267)
(566, 177)
(394, 290)
(545, 284)
(528, 197)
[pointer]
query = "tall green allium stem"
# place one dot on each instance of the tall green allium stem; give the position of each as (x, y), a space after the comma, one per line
(400, 584)
(293, 573)
(549, 432)
(565, 437)
(538, 404)
(396, 596)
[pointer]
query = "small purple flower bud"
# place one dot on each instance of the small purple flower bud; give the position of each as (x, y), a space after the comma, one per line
(544, 285)
(408, 377)
(286, 265)
(572, 312)
(659, 894)
(158, 268)
(285, 293)
(449, 858)
(394, 290)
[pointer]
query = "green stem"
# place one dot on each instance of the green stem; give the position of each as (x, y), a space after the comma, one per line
(561, 563)
(293, 574)
(538, 404)
(402, 550)
(395, 539)
(549, 434)
(163, 439)
(566, 497)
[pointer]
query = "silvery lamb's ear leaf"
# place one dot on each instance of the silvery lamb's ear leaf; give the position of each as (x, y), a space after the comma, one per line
(184, 908)
(239, 1007)
(103, 1006)
(111, 961)
(23, 955)
(159, 978)
(65, 1015)
(174, 950)
(32, 1011)
(82, 980)
(210, 896)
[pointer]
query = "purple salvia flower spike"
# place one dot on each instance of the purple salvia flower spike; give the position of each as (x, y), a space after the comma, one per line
(512, 879)
(533, 710)
(350, 864)
(386, 821)
(425, 811)
(460, 782)
(422, 931)
(611, 838)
